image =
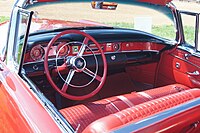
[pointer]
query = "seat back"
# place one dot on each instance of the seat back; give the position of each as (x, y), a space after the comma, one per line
(141, 111)
(82, 115)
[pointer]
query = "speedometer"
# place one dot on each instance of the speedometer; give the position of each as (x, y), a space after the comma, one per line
(63, 49)
(37, 52)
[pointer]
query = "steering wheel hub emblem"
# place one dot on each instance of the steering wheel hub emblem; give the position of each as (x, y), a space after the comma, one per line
(78, 63)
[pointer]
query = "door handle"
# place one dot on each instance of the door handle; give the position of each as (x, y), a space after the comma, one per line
(195, 73)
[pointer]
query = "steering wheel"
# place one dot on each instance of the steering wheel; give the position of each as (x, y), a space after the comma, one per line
(76, 64)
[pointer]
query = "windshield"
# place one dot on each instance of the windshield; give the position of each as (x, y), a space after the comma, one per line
(146, 17)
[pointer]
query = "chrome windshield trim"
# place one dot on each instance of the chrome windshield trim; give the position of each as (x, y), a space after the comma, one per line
(135, 126)
(176, 16)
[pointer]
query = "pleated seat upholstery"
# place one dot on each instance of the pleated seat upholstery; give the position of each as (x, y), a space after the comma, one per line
(82, 115)
(141, 111)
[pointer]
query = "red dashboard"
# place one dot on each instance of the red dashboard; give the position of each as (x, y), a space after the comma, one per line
(36, 53)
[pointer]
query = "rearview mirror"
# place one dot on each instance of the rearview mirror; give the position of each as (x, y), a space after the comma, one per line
(101, 4)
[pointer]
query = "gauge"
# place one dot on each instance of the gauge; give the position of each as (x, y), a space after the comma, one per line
(75, 49)
(63, 49)
(116, 47)
(37, 52)
(109, 47)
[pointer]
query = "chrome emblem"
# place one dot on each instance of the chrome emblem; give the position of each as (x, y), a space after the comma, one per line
(80, 63)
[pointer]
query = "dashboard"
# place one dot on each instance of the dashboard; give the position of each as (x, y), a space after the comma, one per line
(121, 47)
(61, 49)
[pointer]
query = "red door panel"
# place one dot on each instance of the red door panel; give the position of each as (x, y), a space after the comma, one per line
(174, 67)
(20, 111)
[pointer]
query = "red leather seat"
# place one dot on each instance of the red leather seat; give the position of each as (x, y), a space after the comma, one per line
(141, 111)
(82, 115)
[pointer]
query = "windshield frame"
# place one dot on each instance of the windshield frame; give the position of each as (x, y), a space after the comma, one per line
(164, 11)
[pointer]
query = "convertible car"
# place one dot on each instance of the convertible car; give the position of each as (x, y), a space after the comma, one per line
(100, 66)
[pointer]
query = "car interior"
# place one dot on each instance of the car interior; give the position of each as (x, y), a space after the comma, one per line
(98, 75)
(138, 72)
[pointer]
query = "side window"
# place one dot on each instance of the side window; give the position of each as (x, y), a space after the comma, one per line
(22, 26)
(22, 31)
(3, 40)
(190, 22)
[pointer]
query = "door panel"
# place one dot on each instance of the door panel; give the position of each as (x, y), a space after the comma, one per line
(178, 67)
(20, 110)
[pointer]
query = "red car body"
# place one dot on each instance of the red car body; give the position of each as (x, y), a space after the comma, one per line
(22, 111)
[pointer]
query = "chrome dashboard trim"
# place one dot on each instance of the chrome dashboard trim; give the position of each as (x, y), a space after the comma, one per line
(135, 51)
(132, 51)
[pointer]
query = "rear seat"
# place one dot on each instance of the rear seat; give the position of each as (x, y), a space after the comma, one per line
(141, 111)
(82, 115)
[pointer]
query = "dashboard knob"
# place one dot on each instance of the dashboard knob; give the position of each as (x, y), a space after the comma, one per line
(35, 67)
(113, 57)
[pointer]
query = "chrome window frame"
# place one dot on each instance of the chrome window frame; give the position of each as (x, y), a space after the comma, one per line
(183, 43)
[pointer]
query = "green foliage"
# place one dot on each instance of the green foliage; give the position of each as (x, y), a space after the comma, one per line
(189, 32)
(165, 31)
(3, 19)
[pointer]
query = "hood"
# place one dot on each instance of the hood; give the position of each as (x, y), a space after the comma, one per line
(49, 24)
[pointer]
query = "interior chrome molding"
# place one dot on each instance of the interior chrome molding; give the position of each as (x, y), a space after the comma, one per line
(190, 50)
(185, 60)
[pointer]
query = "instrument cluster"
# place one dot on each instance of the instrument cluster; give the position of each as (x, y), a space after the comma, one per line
(60, 49)
(37, 52)
(63, 49)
